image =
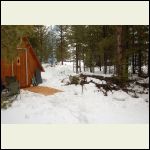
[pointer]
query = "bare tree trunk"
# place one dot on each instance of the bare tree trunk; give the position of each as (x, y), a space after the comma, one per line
(139, 55)
(100, 65)
(77, 58)
(115, 69)
(105, 63)
(83, 58)
(105, 58)
(119, 51)
(148, 63)
(133, 64)
(61, 32)
(124, 51)
(139, 63)
(133, 55)
(83, 64)
(80, 64)
(84, 67)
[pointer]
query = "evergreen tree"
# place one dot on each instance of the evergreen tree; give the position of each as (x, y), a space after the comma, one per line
(62, 45)
(10, 37)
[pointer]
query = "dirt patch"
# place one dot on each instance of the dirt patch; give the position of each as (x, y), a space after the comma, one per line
(43, 90)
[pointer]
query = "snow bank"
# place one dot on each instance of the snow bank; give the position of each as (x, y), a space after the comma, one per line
(120, 96)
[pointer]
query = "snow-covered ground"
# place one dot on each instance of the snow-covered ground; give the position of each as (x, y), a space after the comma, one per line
(73, 106)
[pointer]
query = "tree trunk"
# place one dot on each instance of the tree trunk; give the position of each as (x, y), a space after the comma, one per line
(148, 63)
(140, 54)
(100, 66)
(133, 64)
(133, 54)
(139, 63)
(80, 64)
(105, 63)
(115, 72)
(61, 32)
(77, 58)
(83, 52)
(105, 58)
(125, 55)
(119, 50)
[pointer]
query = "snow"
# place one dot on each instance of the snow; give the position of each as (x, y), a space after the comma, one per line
(145, 69)
(96, 80)
(120, 96)
(144, 80)
(73, 106)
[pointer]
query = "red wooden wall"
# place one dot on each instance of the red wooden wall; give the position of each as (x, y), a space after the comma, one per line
(20, 70)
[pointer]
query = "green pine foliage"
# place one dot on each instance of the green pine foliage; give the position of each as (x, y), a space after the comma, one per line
(95, 45)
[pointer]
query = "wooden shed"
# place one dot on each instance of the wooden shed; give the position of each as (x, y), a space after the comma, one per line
(24, 66)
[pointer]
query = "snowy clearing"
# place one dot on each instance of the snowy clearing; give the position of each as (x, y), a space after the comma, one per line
(71, 106)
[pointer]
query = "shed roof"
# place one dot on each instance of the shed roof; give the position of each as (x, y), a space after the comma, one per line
(29, 46)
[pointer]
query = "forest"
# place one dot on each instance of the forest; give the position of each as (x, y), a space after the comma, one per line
(95, 45)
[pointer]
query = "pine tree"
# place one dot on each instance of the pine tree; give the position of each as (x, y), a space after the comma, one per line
(62, 45)
(76, 38)
(10, 37)
(39, 40)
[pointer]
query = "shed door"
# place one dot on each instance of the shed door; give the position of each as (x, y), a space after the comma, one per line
(21, 70)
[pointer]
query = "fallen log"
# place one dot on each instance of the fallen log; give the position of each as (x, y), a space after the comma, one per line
(110, 80)
(114, 83)
(144, 85)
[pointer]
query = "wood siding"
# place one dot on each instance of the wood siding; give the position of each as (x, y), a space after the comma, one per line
(19, 69)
